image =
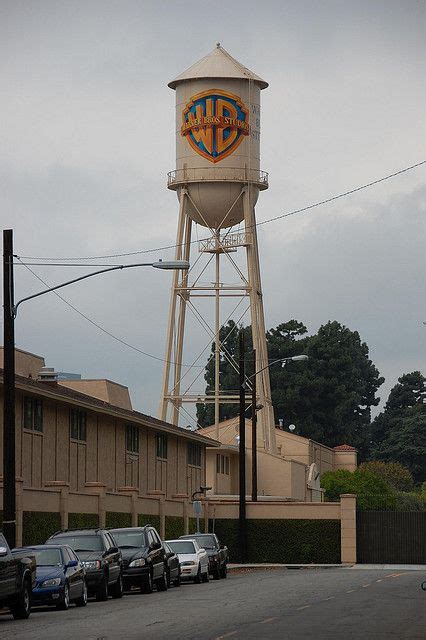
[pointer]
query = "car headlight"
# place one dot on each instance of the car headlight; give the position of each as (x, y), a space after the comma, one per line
(188, 563)
(139, 562)
(52, 582)
(92, 564)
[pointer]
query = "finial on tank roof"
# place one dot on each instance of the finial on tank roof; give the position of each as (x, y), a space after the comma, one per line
(218, 45)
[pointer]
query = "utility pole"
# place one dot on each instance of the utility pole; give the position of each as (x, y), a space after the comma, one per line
(9, 472)
(254, 433)
(242, 453)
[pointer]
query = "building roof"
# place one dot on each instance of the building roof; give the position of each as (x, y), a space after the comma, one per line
(218, 64)
(55, 391)
(344, 447)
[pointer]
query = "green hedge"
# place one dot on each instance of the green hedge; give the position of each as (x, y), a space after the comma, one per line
(117, 520)
(38, 526)
(192, 525)
(83, 520)
(149, 519)
(284, 541)
(174, 527)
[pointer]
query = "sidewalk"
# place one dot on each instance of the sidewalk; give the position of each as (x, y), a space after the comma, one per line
(365, 567)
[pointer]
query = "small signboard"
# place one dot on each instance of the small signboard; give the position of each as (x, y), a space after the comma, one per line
(198, 509)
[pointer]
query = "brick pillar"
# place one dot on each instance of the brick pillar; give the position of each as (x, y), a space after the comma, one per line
(19, 510)
(64, 489)
(186, 508)
(162, 531)
(133, 492)
(348, 528)
(99, 488)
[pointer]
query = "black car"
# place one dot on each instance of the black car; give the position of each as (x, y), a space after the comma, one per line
(143, 558)
(172, 566)
(60, 576)
(217, 553)
(100, 556)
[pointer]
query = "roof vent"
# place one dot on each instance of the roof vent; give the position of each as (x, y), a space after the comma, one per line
(47, 374)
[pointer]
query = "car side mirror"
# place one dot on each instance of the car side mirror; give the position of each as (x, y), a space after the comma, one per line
(3, 552)
(156, 545)
(72, 563)
(113, 550)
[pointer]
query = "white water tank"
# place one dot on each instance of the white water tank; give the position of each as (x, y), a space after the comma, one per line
(217, 138)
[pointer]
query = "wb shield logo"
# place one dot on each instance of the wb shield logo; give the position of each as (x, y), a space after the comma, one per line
(214, 123)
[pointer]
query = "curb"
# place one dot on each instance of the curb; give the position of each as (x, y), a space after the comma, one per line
(260, 566)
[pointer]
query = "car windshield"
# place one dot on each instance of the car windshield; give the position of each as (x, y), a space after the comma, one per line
(129, 538)
(206, 542)
(47, 557)
(81, 543)
(182, 546)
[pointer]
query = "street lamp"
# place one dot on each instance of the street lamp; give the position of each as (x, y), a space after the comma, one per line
(10, 310)
(242, 441)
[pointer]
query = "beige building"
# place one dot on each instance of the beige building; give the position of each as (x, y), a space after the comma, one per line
(84, 434)
(293, 473)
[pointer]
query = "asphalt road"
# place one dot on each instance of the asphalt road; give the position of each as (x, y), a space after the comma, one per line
(308, 603)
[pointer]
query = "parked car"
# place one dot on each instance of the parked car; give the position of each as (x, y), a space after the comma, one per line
(172, 566)
(60, 576)
(143, 558)
(17, 579)
(100, 556)
(194, 562)
(217, 553)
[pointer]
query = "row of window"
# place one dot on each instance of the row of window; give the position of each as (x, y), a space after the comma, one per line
(33, 420)
(222, 464)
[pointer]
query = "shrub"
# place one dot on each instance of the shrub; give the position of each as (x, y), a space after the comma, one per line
(372, 491)
(83, 520)
(395, 474)
(38, 526)
(117, 520)
(149, 519)
(174, 527)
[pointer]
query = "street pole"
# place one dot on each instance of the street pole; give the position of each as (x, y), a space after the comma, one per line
(242, 454)
(9, 477)
(254, 434)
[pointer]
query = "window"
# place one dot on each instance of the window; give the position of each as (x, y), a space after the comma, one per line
(33, 414)
(194, 454)
(161, 445)
(222, 464)
(132, 438)
(78, 425)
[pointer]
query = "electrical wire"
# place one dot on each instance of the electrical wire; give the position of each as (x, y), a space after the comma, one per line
(108, 333)
(257, 224)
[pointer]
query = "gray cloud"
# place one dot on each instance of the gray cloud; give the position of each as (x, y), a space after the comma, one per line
(87, 138)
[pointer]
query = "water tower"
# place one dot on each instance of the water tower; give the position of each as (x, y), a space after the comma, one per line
(217, 181)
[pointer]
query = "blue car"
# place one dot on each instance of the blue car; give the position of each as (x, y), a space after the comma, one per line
(60, 577)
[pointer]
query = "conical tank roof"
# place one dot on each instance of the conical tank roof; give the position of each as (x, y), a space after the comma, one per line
(218, 64)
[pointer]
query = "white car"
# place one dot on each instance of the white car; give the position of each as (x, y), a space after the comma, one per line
(193, 559)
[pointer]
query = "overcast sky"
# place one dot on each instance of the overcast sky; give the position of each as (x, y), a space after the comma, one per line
(87, 137)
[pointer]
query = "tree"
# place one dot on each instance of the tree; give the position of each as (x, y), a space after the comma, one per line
(372, 491)
(229, 376)
(395, 474)
(398, 434)
(329, 398)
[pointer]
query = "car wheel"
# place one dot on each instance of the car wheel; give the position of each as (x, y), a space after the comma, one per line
(224, 571)
(205, 576)
(176, 582)
(217, 574)
(197, 578)
(147, 584)
(169, 580)
(22, 607)
(117, 588)
(102, 592)
(65, 603)
(162, 582)
(82, 601)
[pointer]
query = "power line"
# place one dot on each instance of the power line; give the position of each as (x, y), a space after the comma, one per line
(98, 326)
(257, 224)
